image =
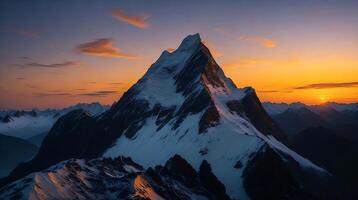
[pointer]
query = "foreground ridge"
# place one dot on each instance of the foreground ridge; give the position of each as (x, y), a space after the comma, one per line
(118, 178)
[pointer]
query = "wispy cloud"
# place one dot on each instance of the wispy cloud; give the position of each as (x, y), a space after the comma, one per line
(274, 91)
(100, 93)
(53, 65)
(116, 83)
(91, 82)
(27, 33)
(265, 42)
(252, 39)
(52, 94)
(32, 86)
(328, 85)
(24, 58)
(139, 21)
(102, 47)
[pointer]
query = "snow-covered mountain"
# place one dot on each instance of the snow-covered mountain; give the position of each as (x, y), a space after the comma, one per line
(118, 178)
(27, 124)
(184, 104)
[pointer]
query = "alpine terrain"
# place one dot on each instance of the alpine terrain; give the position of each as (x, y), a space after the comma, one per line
(184, 105)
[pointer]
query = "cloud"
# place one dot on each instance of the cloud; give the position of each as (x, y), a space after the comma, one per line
(265, 42)
(53, 65)
(134, 20)
(52, 94)
(27, 33)
(20, 78)
(58, 93)
(274, 91)
(102, 47)
(24, 58)
(117, 83)
(268, 91)
(100, 93)
(328, 85)
(91, 82)
(256, 40)
(32, 86)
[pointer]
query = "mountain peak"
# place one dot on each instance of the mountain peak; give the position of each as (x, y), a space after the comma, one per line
(190, 41)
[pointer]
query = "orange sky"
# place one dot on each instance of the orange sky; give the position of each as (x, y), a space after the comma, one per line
(289, 52)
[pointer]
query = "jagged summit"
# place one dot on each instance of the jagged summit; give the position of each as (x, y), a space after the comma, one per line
(190, 42)
(185, 72)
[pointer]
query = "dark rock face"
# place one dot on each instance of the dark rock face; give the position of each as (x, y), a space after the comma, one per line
(259, 117)
(181, 170)
(266, 177)
(251, 107)
(7, 119)
(118, 178)
(179, 166)
(210, 181)
(209, 119)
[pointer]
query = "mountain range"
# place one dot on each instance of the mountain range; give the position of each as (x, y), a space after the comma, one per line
(326, 134)
(212, 139)
(296, 117)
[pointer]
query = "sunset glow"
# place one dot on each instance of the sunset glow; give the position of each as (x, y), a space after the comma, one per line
(58, 54)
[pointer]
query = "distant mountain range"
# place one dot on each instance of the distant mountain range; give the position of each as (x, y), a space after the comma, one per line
(296, 117)
(195, 134)
(326, 134)
(27, 124)
(277, 108)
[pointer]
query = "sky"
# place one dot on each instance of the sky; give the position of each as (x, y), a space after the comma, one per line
(58, 53)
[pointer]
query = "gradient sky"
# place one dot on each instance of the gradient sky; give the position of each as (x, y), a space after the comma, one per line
(57, 53)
